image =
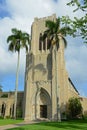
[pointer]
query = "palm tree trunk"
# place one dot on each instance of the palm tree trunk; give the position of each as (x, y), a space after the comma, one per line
(16, 86)
(57, 87)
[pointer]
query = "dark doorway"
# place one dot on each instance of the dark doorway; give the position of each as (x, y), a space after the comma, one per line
(3, 109)
(43, 111)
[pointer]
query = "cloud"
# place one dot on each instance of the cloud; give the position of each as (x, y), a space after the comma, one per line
(62, 9)
(30, 8)
(22, 14)
(76, 62)
(76, 59)
(7, 61)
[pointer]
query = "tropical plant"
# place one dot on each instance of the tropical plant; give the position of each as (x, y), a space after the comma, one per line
(54, 33)
(16, 41)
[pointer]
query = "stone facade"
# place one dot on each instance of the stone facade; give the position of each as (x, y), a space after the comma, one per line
(47, 84)
(7, 103)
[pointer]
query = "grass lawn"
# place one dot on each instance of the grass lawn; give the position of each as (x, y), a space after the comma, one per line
(9, 121)
(64, 125)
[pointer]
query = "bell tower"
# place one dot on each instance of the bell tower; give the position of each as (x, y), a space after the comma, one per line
(41, 93)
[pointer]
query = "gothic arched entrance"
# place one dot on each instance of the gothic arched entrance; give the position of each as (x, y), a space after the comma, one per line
(42, 107)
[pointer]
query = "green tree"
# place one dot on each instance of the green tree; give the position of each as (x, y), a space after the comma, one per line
(82, 5)
(16, 41)
(74, 107)
(1, 88)
(54, 33)
(78, 25)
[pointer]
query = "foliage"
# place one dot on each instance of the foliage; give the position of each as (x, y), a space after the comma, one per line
(82, 5)
(4, 96)
(1, 88)
(78, 25)
(18, 40)
(54, 31)
(74, 107)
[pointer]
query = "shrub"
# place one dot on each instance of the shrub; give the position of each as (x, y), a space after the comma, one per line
(4, 96)
(74, 108)
(1, 117)
(8, 117)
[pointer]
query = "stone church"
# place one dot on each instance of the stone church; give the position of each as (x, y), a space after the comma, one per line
(47, 83)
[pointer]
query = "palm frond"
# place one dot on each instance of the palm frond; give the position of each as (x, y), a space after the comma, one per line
(54, 31)
(57, 25)
(17, 47)
(18, 40)
(26, 47)
(45, 34)
(50, 24)
(14, 31)
(11, 47)
(65, 42)
(10, 38)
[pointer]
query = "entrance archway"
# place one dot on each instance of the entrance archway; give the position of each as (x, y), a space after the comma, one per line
(42, 107)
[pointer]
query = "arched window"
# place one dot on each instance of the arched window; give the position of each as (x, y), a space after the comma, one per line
(12, 110)
(40, 41)
(3, 109)
(48, 44)
(44, 44)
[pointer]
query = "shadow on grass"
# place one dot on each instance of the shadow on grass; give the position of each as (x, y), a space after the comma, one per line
(67, 125)
(64, 125)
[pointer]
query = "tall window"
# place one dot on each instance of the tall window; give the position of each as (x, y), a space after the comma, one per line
(3, 109)
(40, 41)
(48, 44)
(44, 44)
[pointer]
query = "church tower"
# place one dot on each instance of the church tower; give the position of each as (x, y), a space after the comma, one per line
(46, 80)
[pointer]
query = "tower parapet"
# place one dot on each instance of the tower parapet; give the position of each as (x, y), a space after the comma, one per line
(38, 27)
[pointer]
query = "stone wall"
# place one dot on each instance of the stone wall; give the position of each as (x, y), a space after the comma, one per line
(7, 103)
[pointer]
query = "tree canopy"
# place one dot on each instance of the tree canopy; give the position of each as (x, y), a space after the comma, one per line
(54, 31)
(1, 88)
(18, 40)
(78, 25)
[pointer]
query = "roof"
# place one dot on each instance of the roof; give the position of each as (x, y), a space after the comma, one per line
(73, 85)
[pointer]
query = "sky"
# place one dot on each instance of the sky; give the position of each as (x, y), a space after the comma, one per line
(20, 14)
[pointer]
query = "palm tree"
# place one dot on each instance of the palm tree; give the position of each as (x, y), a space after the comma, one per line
(16, 41)
(53, 33)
